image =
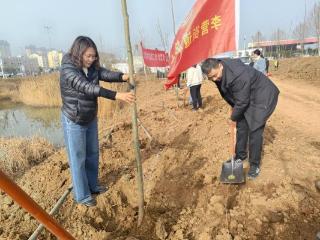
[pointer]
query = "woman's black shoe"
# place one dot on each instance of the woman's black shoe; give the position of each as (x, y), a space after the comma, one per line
(99, 189)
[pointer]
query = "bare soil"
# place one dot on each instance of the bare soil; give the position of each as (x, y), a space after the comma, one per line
(183, 196)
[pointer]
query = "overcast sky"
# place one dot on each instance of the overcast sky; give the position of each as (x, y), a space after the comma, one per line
(23, 22)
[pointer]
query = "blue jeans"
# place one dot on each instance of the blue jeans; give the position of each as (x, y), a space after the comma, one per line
(83, 152)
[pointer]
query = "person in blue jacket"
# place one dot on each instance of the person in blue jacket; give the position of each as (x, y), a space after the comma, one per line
(259, 62)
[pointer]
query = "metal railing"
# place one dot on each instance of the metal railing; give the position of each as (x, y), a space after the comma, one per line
(54, 210)
(26, 202)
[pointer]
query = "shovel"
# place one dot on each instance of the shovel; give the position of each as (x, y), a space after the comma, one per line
(232, 170)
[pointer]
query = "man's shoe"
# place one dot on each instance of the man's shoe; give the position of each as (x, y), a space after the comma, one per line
(90, 203)
(236, 160)
(100, 189)
(253, 172)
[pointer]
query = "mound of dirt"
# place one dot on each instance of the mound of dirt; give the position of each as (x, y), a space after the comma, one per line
(304, 69)
(184, 199)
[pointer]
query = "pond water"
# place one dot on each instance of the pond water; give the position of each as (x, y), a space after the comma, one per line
(25, 121)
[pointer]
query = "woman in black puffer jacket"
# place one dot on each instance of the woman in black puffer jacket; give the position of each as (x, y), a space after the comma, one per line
(79, 83)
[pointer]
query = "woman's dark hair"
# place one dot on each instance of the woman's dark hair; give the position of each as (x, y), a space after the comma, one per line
(257, 52)
(209, 64)
(78, 48)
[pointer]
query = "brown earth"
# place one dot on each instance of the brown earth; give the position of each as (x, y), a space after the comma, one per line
(183, 196)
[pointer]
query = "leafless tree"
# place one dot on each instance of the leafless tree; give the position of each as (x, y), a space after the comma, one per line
(300, 32)
(163, 37)
(277, 36)
(257, 38)
(135, 133)
(315, 23)
(107, 59)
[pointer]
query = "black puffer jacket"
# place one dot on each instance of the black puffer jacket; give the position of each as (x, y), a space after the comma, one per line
(248, 91)
(79, 92)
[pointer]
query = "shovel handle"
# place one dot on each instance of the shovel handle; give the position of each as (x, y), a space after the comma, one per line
(233, 135)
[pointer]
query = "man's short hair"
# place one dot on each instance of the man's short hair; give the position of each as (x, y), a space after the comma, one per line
(209, 64)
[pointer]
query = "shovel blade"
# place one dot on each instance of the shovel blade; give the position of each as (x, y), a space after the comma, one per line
(232, 174)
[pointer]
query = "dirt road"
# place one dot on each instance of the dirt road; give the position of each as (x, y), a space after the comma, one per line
(300, 103)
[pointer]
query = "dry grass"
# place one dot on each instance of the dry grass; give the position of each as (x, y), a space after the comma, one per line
(19, 154)
(40, 91)
(44, 91)
(8, 89)
(109, 110)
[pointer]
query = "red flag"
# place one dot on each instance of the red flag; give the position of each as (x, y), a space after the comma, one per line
(209, 29)
(154, 58)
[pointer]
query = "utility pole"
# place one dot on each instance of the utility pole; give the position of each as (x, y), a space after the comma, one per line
(174, 34)
(101, 43)
(141, 42)
(278, 42)
(304, 27)
(173, 19)
(163, 41)
(134, 115)
(48, 29)
(259, 38)
(252, 41)
(1, 65)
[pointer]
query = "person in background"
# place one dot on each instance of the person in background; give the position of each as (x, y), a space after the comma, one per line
(178, 82)
(79, 84)
(267, 65)
(194, 81)
(276, 64)
(259, 63)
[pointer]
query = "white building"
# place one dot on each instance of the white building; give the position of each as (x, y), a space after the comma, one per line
(54, 59)
(123, 67)
(29, 66)
(18, 65)
(5, 49)
(40, 52)
(38, 58)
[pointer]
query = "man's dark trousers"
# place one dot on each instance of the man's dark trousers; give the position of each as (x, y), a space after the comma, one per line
(196, 96)
(255, 142)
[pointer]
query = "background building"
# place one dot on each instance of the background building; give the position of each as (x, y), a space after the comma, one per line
(41, 55)
(38, 58)
(29, 66)
(4, 49)
(54, 59)
(11, 65)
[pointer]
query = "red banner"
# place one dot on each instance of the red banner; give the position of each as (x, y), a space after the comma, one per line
(209, 29)
(154, 58)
